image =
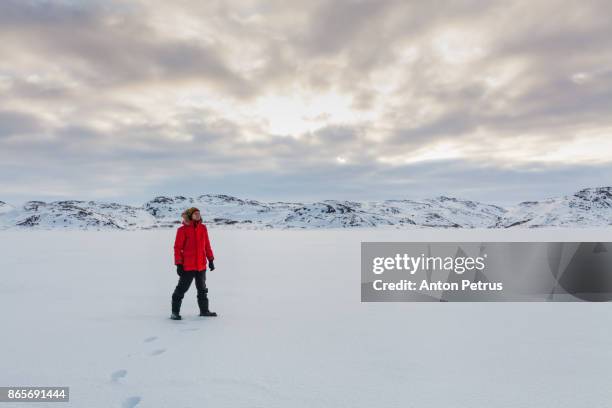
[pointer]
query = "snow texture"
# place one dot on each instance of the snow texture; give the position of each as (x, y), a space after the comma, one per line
(90, 310)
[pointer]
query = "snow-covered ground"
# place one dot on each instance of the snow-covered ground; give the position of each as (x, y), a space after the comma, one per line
(90, 310)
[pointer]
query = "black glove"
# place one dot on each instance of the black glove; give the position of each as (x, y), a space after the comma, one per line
(179, 269)
(211, 264)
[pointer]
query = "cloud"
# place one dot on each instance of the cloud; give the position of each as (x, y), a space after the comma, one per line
(348, 98)
(16, 123)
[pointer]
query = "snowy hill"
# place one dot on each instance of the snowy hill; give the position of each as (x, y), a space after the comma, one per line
(77, 215)
(590, 207)
(4, 207)
(227, 210)
(216, 209)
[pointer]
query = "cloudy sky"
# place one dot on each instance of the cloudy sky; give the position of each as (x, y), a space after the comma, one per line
(304, 100)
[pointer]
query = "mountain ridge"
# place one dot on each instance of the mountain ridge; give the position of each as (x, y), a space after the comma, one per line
(589, 207)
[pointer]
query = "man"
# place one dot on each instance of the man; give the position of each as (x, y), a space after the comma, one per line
(192, 250)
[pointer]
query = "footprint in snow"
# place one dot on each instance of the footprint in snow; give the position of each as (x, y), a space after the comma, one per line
(150, 339)
(157, 352)
(130, 402)
(117, 375)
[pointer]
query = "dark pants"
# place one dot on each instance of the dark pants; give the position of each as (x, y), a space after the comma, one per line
(183, 285)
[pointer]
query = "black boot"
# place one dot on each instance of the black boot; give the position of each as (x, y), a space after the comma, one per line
(176, 308)
(203, 304)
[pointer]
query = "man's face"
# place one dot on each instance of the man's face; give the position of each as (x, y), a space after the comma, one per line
(195, 216)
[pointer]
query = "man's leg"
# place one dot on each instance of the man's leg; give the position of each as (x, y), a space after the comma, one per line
(179, 292)
(200, 279)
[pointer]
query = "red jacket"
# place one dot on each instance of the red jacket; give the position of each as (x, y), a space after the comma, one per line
(192, 246)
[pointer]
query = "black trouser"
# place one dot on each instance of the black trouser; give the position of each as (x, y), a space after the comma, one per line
(183, 285)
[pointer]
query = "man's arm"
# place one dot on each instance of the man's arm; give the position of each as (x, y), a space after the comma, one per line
(178, 246)
(207, 248)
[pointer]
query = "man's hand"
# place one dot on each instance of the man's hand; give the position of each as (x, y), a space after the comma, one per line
(179, 269)
(211, 264)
